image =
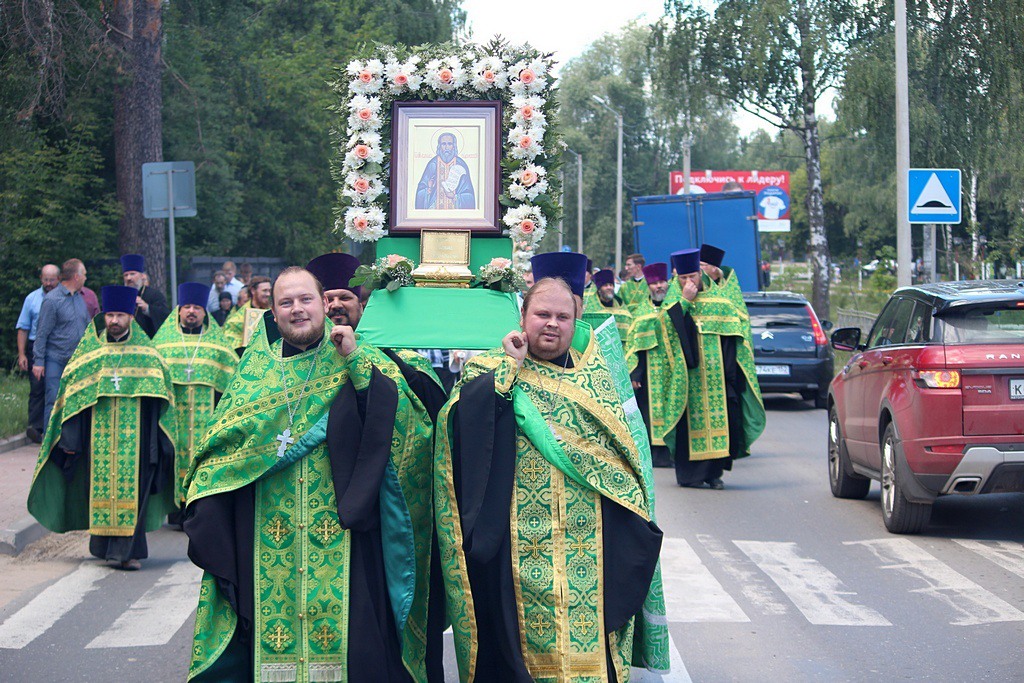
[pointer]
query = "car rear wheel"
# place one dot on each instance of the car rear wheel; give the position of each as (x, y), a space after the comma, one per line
(899, 514)
(842, 480)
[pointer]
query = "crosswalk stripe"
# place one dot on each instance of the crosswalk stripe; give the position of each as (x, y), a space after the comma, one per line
(44, 610)
(1009, 556)
(815, 591)
(692, 594)
(974, 604)
(155, 617)
(751, 582)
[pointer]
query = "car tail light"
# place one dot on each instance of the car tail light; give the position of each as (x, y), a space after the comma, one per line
(819, 334)
(938, 379)
(947, 449)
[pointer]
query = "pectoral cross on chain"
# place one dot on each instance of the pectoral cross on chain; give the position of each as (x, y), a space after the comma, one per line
(188, 372)
(116, 379)
(286, 440)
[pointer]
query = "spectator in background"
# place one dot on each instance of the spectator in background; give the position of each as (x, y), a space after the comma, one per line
(245, 273)
(243, 297)
(63, 317)
(234, 285)
(49, 276)
(152, 308)
(220, 283)
(92, 303)
(224, 308)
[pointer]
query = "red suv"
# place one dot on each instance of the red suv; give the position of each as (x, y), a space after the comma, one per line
(932, 402)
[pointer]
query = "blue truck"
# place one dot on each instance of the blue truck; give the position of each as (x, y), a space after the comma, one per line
(666, 223)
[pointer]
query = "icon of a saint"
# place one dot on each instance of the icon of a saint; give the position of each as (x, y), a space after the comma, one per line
(445, 183)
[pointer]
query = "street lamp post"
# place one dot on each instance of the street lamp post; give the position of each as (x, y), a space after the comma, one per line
(579, 199)
(618, 188)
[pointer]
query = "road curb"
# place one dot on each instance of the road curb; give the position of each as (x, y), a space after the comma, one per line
(12, 442)
(18, 535)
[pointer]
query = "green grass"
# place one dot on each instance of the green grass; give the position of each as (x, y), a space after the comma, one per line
(13, 404)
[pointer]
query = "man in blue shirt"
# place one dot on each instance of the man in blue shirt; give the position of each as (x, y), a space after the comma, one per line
(49, 276)
(62, 320)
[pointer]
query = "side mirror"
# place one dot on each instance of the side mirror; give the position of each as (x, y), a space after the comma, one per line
(846, 339)
(827, 325)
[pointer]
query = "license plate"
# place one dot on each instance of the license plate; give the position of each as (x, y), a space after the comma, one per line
(1017, 389)
(783, 370)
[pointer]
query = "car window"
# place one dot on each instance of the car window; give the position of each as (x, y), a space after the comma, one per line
(988, 325)
(778, 315)
(919, 329)
(881, 330)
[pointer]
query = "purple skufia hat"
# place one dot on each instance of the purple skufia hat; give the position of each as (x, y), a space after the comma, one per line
(656, 272)
(133, 262)
(567, 265)
(712, 255)
(334, 271)
(119, 299)
(604, 277)
(193, 293)
(686, 261)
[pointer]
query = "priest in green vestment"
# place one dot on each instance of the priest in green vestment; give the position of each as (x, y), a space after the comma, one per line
(201, 361)
(633, 291)
(606, 303)
(723, 277)
(544, 517)
(309, 508)
(239, 326)
(724, 410)
(107, 460)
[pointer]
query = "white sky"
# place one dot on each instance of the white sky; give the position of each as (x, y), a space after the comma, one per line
(567, 27)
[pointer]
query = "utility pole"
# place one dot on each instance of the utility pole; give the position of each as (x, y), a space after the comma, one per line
(618, 187)
(904, 244)
(579, 199)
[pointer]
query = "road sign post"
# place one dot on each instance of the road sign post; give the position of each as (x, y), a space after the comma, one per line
(168, 197)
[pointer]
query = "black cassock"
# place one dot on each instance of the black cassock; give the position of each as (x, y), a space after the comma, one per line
(158, 311)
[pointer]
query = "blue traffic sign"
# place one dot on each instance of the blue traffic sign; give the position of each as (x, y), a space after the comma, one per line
(934, 195)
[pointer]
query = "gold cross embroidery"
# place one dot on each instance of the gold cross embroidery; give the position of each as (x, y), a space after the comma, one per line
(278, 638)
(324, 637)
(582, 623)
(326, 530)
(540, 624)
(278, 530)
(533, 471)
(534, 547)
(580, 547)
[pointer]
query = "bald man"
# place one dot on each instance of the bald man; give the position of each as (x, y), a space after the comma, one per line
(49, 276)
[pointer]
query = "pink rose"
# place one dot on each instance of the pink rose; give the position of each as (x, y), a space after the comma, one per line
(394, 260)
(445, 75)
(365, 76)
(524, 245)
(528, 178)
(360, 223)
(526, 112)
(525, 141)
(366, 114)
(362, 151)
(488, 76)
(500, 262)
(361, 185)
(527, 226)
(526, 76)
(401, 79)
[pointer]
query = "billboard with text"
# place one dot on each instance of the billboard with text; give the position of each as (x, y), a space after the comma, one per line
(771, 188)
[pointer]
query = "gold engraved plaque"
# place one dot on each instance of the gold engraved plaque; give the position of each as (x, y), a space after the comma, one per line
(444, 259)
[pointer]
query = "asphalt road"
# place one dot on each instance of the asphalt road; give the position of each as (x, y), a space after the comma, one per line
(770, 579)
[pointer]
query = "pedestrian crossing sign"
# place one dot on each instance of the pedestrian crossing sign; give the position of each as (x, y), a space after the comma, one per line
(934, 195)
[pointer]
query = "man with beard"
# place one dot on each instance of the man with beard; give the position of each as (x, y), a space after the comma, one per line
(606, 303)
(201, 362)
(106, 463)
(152, 308)
(26, 326)
(242, 322)
(309, 508)
(543, 516)
(446, 183)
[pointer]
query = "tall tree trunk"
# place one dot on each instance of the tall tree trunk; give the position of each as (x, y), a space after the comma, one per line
(137, 30)
(820, 275)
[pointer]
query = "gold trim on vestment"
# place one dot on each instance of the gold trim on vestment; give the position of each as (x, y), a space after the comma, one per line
(105, 351)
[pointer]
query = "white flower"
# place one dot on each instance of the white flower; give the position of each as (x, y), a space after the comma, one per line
(363, 148)
(528, 111)
(445, 75)
(528, 77)
(366, 78)
(362, 188)
(528, 183)
(364, 113)
(488, 73)
(523, 143)
(402, 76)
(364, 224)
(526, 224)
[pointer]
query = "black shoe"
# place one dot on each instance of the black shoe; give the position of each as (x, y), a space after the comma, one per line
(716, 484)
(33, 435)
